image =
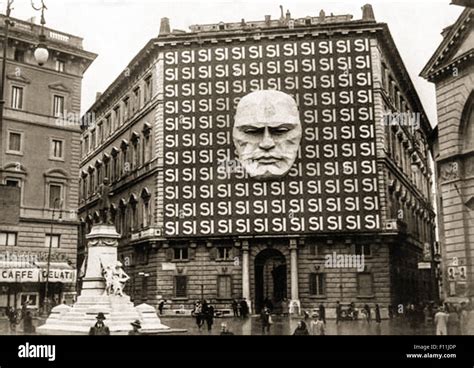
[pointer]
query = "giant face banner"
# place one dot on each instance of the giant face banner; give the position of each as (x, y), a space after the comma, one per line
(241, 162)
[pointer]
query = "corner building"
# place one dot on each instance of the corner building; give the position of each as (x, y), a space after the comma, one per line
(194, 225)
(39, 165)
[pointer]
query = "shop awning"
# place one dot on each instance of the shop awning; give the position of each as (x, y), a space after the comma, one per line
(18, 272)
(58, 272)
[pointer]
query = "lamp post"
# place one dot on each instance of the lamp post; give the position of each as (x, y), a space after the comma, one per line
(41, 56)
(48, 264)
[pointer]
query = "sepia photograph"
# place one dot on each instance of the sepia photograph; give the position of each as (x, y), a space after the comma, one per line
(188, 169)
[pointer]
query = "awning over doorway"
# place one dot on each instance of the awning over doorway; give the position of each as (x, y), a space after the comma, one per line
(58, 272)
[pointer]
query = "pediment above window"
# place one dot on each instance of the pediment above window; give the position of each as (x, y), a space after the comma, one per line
(19, 78)
(59, 87)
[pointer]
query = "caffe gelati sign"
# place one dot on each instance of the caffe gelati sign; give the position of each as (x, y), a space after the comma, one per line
(332, 183)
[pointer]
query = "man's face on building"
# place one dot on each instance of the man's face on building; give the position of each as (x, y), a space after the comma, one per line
(267, 133)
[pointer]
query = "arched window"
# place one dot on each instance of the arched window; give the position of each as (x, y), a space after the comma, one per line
(133, 224)
(467, 124)
(146, 207)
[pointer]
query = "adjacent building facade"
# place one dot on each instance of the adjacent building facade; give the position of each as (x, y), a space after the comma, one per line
(195, 226)
(39, 165)
(451, 69)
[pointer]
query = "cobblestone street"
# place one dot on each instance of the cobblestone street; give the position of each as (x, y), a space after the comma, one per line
(281, 326)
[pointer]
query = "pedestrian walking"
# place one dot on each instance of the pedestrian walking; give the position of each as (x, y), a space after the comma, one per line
(285, 307)
(244, 308)
(441, 322)
(316, 327)
(378, 319)
(136, 327)
(161, 305)
(198, 314)
(99, 328)
(454, 326)
(390, 312)
(338, 312)
(235, 307)
(210, 316)
(28, 327)
(301, 329)
(265, 317)
(367, 313)
(12, 319)
(322, 312)
(464, 319)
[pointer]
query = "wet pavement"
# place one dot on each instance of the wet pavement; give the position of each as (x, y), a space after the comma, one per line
(280, 326)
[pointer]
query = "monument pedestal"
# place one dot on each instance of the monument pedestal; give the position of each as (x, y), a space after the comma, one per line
(119, 311)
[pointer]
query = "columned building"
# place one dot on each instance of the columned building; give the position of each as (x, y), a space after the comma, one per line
(451, 69)
(196, 225)
(39, 165)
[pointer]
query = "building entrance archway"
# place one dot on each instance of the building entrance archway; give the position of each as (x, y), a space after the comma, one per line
(270, 278)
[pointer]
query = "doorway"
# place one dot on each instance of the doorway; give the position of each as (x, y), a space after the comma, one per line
(270, 279)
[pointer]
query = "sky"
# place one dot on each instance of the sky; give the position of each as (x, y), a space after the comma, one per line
(117, 30)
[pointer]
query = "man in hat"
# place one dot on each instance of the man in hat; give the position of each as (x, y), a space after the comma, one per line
(136, 328)
(99, 328)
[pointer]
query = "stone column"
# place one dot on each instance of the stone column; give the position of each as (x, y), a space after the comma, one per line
(295, 302)
(246, 274)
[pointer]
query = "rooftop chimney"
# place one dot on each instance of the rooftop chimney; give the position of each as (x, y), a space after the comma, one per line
(97, 95)
(164, 26)
(268, 20)
(368, 13)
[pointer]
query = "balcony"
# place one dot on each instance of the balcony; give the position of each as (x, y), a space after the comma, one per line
(33, 30)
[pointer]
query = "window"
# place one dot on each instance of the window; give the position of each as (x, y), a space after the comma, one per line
(363, 249)
(224, 287)
(137, 96)
(148, 88)
(180, 286)
(57, 149)
(126, 107)
(100, 133)
(146, 214)
(315, 250)
(17, 98)
(15, 142)
(365, 284)
(60, 66)
(108, 129)
(19, 55)
(55, 195)
(224, 253)
(58, 105)
(31, 298)
(117, 116)
(93, 139)
(316, 284)
(52, 240)
(8, 239)
(16, 183)
(86, 144)
(180, 254)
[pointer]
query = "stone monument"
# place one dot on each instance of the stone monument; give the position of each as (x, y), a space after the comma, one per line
(102, 292)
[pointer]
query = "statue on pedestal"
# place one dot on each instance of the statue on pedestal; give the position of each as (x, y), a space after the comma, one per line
(104, 202)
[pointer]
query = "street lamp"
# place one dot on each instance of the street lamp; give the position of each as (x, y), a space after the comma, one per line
(41, 52)
(48, 264)
(41, 56)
